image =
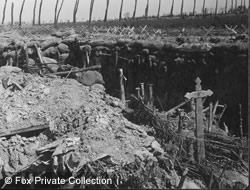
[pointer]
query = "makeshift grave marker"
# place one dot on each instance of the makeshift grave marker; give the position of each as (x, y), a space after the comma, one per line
(198, 94)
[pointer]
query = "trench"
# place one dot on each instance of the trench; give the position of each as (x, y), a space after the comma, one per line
(172, 72)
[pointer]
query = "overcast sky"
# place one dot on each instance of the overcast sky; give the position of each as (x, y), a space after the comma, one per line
(99, 8)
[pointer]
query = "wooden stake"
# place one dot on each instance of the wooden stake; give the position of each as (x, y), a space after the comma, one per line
(116, 58)
(151, 101)
(142, 91)
(138, 92)
(210, 120)
(241, 131)
(122, 90)
(199, 124)
(183, 177)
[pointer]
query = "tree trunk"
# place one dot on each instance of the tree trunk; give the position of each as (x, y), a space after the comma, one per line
(182, 5)
(120, 15)
(146, 9)
(232, 5)
(4, 9)
(226, 7)
(172, 8)
(203, 7)
(20, 15)
(34, 13)
(40, 11)
(59, 11)
(241, 3)
(57, 1)
(135, 9)
(75, 10)
(106, 12)
(159, 9)
(236, 5)
(216, 7)
(12, 14)
(244, 4)
(91, 10)
(194, 7)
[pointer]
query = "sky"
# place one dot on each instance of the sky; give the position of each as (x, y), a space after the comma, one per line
(99, 8)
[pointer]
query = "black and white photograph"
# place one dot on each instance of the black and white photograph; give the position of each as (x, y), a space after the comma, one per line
(124, 94)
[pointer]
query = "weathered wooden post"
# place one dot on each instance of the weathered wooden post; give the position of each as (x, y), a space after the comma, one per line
(142, 91)
(116, 58)
(241, 131)
(4, 9)
(199, 123)
(151, 101)
(138, 92)
(210, 120)
(197, 95)
(138, 68)
(122, 90)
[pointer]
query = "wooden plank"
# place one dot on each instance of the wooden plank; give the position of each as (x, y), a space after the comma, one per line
(25, 130)
(76, 71)
(210, 121)
(199, 124)
(122, 90)
(203, 93)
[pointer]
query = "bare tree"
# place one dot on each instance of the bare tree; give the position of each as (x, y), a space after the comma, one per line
(4, 9)
(40, 12)
(12, 14)
(236, 5)
(34, 13)
(203, 7)
(172, 8)
(194, 7)
(146, 9)
(241, 3)
(226, 7)
(58, 14)
(232, 5)
(91, 10)
(106, 12)
(216, 8)
(159, 9)
(182, 5)
(135, 9)
(57, 1)
(21, 12)
(75, 10)
(120, 15)
(244, 4)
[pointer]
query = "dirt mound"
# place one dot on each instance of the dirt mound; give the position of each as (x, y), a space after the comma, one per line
(84, 125)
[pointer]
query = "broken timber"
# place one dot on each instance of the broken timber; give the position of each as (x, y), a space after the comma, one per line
(76, 71)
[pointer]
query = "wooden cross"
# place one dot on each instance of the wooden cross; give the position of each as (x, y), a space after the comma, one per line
(198, 94)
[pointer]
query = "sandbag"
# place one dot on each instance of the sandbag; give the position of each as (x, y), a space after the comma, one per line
(90, 78)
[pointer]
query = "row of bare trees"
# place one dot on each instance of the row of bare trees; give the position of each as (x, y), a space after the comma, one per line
(21, 12)
(234, 6)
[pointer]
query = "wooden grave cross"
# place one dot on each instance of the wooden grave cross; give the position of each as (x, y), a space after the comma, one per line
(198, 94)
